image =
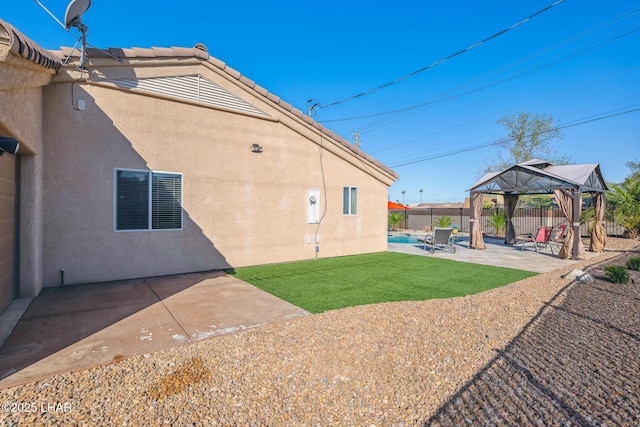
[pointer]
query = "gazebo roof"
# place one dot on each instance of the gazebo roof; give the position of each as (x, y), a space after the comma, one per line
(538, 176)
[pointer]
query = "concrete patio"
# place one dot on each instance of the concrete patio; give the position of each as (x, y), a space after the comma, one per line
(497, 254)
(77, 327)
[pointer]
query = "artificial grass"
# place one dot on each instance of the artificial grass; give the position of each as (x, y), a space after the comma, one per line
(333, 283)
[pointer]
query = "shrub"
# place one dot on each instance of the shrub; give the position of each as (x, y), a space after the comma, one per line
(394, 220)
(633, 264)
(616, 274)
(443, 222)
(499, 221)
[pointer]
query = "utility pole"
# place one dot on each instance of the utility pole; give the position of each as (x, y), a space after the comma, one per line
(357, 139)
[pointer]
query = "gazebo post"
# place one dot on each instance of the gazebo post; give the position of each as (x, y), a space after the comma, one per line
(577, 209)
(471, 219)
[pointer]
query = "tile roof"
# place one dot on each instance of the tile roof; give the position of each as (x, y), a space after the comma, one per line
(23, 46)
(181, 52)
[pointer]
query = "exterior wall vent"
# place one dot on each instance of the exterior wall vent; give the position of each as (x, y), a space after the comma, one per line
(191, 88)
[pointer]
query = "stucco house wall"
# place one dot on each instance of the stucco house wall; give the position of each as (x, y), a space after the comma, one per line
(25, 69)
(240, 207)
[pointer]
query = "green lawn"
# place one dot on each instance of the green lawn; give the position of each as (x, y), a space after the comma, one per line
(332, 283)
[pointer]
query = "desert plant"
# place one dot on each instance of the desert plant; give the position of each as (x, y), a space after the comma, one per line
(625, 200)
(588, 216)
(499, 221)
(616, 274)
(443, 222)
(394, 220)
(633, 264)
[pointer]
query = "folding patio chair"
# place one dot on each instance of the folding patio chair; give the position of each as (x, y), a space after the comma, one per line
(539, 240)
(440, 238)
(557, 236)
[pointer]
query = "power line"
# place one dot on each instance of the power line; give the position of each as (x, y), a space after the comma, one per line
(473, 46)
(477, 147)
(414, 155)
(381, 123)
(506, 79)
(488, 85)
(389, 117)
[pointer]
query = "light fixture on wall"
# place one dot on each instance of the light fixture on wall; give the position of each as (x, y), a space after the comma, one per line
(256, 148)
(8, 145)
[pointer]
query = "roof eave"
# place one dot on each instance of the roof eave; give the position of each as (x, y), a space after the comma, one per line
(22, 46)
(128, 55)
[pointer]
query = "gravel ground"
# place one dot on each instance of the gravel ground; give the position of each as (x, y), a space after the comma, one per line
(542, 351)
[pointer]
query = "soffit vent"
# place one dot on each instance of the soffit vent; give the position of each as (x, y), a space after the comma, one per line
(191, 88)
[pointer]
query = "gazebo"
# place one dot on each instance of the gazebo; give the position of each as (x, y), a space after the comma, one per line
(566, 182)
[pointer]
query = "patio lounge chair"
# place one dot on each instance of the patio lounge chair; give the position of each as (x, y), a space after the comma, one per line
(440, 238)
(539, 240)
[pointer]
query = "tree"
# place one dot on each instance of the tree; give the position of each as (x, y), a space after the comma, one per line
(624, 201)
(635, 170)
(529, 136)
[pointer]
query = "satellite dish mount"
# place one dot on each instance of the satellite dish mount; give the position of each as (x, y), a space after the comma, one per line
(73, 18)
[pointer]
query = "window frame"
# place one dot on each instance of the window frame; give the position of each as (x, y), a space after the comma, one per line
(350, 211)
(150, 174)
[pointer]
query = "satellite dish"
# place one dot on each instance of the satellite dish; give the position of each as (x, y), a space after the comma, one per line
(75, 10)
(73, 18)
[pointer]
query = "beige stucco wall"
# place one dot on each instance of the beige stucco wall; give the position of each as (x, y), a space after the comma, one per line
(240, 208)
(21, 84)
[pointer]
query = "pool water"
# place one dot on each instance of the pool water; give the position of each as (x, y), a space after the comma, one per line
(401, 239)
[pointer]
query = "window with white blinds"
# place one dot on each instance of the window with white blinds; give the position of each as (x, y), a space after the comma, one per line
(148, 200)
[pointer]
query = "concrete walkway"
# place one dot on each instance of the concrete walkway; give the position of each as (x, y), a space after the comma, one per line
(77, 327)
(497, 254)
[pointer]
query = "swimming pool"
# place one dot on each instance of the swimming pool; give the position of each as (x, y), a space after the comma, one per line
(401, 238)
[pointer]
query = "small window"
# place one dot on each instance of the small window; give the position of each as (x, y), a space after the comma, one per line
(350, 200)
(148, 200)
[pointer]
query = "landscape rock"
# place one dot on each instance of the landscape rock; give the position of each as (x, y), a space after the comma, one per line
(541, 351)
(579, 275)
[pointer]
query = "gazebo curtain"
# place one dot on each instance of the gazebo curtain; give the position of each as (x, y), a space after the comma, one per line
(510, 202)
(476, 233)
(565, 201)
(598, 235)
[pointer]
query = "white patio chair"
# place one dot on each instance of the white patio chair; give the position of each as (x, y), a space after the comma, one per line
(441, 238)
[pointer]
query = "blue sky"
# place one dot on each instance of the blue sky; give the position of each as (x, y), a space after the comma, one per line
(578, 61)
